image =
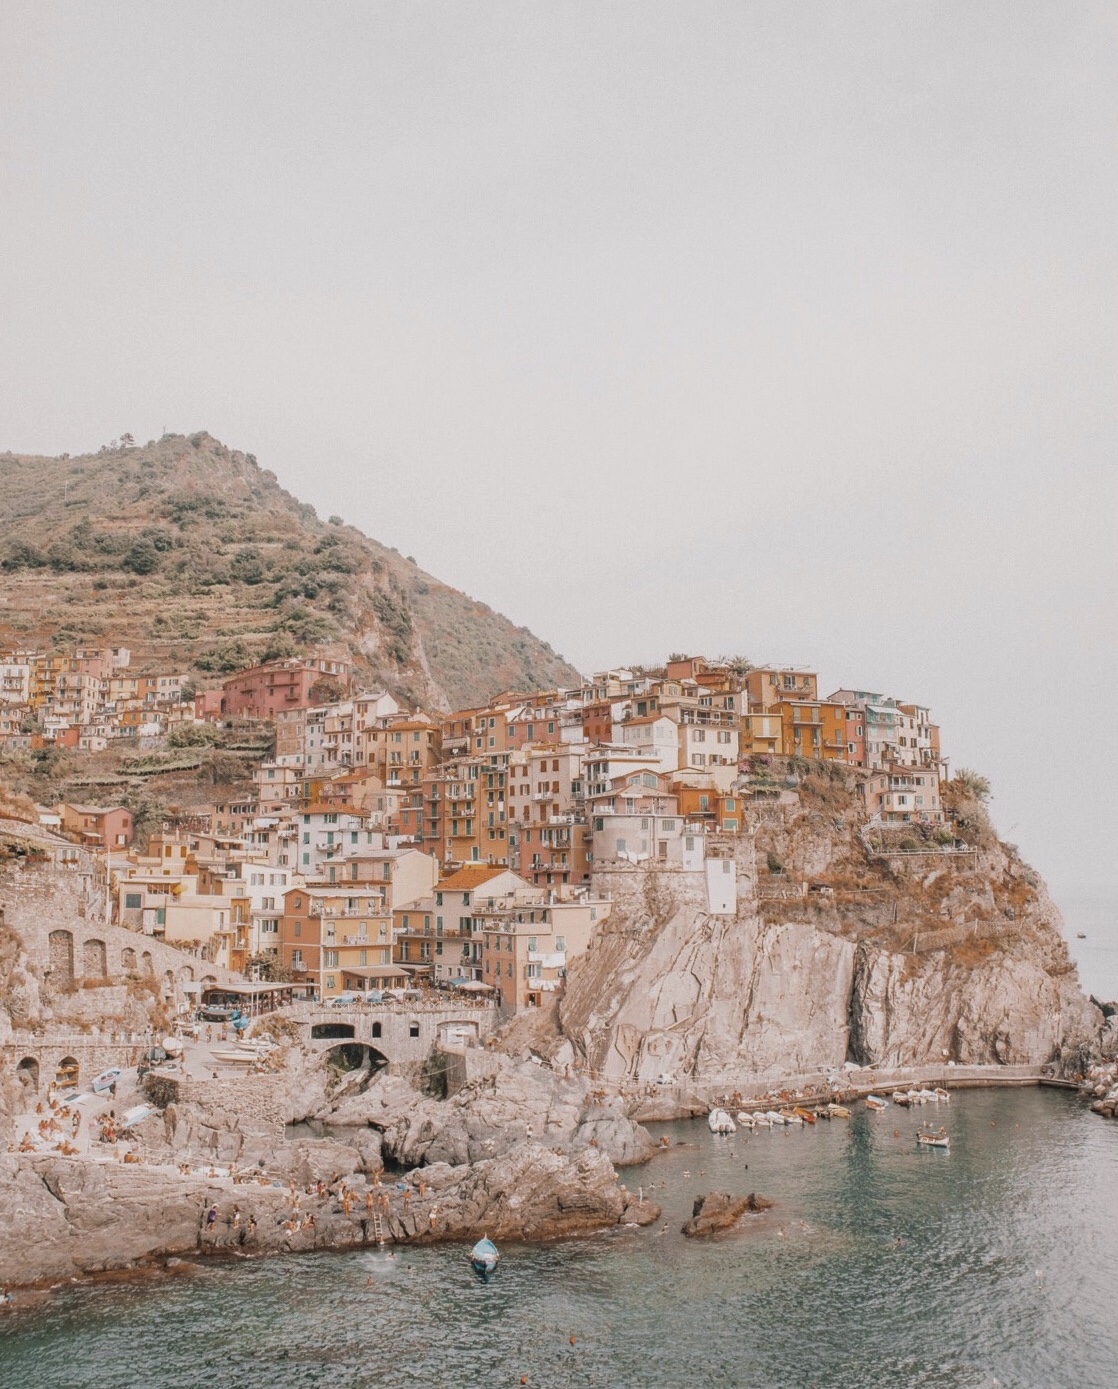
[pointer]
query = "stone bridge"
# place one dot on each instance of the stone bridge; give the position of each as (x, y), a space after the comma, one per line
(399, 1036)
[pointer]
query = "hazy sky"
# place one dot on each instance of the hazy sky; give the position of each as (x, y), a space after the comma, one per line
(780, 329)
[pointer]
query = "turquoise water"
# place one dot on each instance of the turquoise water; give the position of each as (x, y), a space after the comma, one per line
(1003, 1276)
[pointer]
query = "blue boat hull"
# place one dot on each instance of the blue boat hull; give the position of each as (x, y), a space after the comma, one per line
(484, 1259)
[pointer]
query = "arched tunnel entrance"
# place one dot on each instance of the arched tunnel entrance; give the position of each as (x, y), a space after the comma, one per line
(351, 1067)
(324, 1031)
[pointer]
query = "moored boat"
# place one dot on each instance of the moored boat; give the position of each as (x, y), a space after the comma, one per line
(106, 1079)
(484, 1258)
(718, 1121)
(745, 1119)
(943, 1095)
(902, 1098)
(807, 1115)
(838, 1111)
(791, 1117)
(938, 1139)
(876, 1103)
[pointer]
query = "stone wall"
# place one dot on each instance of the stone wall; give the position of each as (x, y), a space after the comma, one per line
(59, 914)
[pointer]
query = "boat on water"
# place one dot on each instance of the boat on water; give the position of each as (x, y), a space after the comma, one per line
(776, 1119)
(926, 1138)
(928, 1097)
(902, 1097)
(484, 1258)
(791, 1117)
(876, 1103)
(106, 1079)
(806, 1116)
(838, 1111)
(718, 1121)
(1081, 935)
(762, 1121)
(745, 1119)
(944, 1096)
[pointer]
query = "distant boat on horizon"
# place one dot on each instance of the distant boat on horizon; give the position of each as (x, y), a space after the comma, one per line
(1081, 935)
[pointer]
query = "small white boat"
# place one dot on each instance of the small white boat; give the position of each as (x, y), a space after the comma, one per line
(745, 1119)
(106, 1079)
(939, 1139)
(718, 1121)
(876, 1103)
(776, 1119)
(902, 1098)
(838, 1111)
(240, 1057)
(944, 1096)
(136, 1115)
(929, 1097)
(762, 1121)
(790, 1118)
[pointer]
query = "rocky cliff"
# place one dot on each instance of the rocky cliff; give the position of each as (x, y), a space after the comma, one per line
(847, 942)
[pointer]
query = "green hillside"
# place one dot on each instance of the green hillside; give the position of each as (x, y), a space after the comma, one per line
(194, 557)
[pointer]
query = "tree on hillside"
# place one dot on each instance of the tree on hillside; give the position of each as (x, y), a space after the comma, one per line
(973, 783)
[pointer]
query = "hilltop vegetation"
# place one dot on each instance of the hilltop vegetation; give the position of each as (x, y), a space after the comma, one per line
(194, 557)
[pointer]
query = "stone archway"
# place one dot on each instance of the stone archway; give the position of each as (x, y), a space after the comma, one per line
(62, 957)
(95, 964)
(128, 960)
(356, 1056)
(68, 1073)
(327, 1031)
(27, 1073)
(147, 962)
(186, 975)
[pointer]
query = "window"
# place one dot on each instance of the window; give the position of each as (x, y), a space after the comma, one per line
(561, 944)
(532, 943)
(620, 846)
(133, 899)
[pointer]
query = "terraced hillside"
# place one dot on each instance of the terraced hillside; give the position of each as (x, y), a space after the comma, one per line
(193, 556)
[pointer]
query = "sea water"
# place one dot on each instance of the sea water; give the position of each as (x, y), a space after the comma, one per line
(880, 1264)
(1095, 913)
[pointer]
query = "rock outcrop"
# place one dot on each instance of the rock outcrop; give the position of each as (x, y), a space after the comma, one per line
(718, 1211)
(519, 1102)
(846, 948)
(67, 1217)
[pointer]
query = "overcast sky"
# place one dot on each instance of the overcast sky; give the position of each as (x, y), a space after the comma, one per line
(781, 330)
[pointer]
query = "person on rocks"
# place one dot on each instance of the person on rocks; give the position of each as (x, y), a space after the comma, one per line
(211, 1217)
